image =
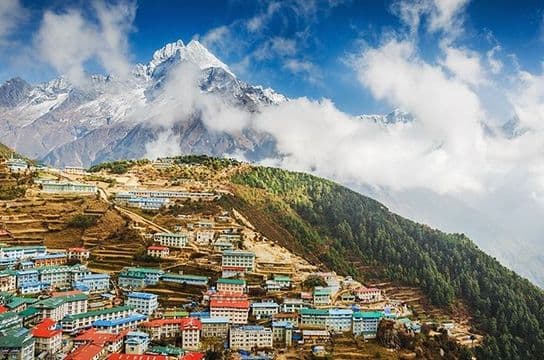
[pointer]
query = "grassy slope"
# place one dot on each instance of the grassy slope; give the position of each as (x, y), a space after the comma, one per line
(341, 228)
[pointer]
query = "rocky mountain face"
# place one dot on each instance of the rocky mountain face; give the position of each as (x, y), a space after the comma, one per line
(62, 123)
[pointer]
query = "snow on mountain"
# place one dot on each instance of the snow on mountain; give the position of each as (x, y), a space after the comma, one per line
(396, 116)
(96, 122)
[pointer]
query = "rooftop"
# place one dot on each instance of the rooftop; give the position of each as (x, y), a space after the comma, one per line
(231, 281)
(142, 295)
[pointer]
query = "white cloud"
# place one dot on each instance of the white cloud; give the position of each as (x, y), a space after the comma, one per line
(440, 15)
(309, 70)
(68, 39)
(495, 64)
(11, 14)
(465, 65)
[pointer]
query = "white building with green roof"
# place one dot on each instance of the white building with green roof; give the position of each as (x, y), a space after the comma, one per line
(234, 286)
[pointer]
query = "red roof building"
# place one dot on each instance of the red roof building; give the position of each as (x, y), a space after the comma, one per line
(86, 352)
(47, 337)
(158, 251)
(3, 309)
(136, 357)
(162, 328)
(190, 333)
(113, 342)
(192, 356)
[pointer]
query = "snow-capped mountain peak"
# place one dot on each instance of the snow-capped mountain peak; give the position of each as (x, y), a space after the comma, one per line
(176, 52)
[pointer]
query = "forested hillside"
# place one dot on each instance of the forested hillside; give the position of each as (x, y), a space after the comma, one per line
(336, 225)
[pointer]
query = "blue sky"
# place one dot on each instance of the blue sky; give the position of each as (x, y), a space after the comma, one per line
(325, 35)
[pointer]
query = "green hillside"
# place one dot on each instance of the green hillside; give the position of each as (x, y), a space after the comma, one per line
(318, 218)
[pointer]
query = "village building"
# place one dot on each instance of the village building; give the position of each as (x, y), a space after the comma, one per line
(250, 337)
(77, 322)
(186, 279)
(74, 170)
(111, 342)
(217, 327)
(158, 251)
(17, 253)
(291, 305)
(131, 277)
(174, 240)
(366, 323)
(10, 320)
(338, 320)
(264, 310)
(204, 236)
(78, 253)
(48, 338)
(128, 322)
(51, 186)
(292, 317)
(8, 281)
(50, 259)
(136, 342)
(17, 344)
(159, 329)
(190, 329)
(87, 352)
(368, 295)
(144, 303)
(17, 165)
(239, 258)
(117, 356)
(235, 286)
(235, 308)
(232, 271)
(93, 283)
(315, 336)
(321, 296)
(282, 333)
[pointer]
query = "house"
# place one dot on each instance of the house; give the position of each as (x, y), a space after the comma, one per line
(78, 253)
(111, 342)
(366, 323)
(117, 356)
(338, 320)
(232, 271)
(175, 240)
(52, 186)
(75, 170)
(186, 279)
(291, 305)
(144, 303)
(127, 322)
(250, 337)
(93, 283)
(215, 327)
(87, 352)
(17, 253)
(315, 336)
(282, 333)
(8, 281)
(235, 286)
(136, 342)
(17, 344)
(26, 276)
(264, 310)
(292, 317)
(138, 277)
(368, 295)
(77, 322)
(48, 338)
(190, 333)
(321, 296)
(245, 259)
(158, 251)
(204, 236)
(9, 320)
(167, 350)
(234, 308)
(17, 165)
(50, 259)
(160, 329)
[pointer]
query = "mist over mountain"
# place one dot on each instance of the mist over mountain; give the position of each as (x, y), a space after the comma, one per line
(185, 100)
